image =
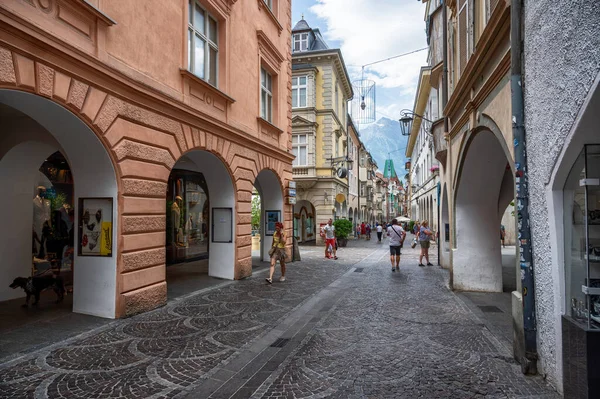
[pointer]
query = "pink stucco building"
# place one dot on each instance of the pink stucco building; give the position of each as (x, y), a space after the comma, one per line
(141, 129)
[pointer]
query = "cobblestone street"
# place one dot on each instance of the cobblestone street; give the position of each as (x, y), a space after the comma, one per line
(344, 329)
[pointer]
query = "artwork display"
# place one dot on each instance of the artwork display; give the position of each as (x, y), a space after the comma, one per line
(271, 217)
(95, 226)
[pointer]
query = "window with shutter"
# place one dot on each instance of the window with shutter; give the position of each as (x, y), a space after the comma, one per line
(462, 36)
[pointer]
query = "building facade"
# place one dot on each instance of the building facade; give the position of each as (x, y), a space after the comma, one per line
(321, 89)
(144, 144)
(424, 168)
(354, 145)
(560, 119)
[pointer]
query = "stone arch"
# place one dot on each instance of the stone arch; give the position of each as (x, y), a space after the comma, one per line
(46, 126)
(484, 186)
(270, 189)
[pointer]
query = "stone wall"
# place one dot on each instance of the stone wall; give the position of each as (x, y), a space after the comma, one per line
(561, 62)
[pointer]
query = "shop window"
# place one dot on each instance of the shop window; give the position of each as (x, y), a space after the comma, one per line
(299, 149)
(187, 217)
(203, 47)
(266, 95)
(582, 238)
(53, 219)
(299, 87)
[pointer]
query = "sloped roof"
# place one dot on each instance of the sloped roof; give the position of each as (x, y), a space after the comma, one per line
(389, 171)
(301, 26)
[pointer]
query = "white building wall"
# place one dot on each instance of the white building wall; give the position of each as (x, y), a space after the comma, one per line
(550, 113)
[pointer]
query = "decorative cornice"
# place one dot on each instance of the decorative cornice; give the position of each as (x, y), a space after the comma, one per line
(262, 6)
(266, 125)
(224, 5)
(205, 85)
(494, 34)
(269, 50)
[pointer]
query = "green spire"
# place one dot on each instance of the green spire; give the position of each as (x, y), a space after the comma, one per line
(389, 172)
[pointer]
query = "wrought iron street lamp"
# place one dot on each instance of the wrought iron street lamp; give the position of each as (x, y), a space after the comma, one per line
(406, 121)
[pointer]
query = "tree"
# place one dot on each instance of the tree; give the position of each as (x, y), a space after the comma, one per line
(255, 221)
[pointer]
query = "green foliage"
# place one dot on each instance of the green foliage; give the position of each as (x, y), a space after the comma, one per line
(411, 225)
(255, 221)
(58, 201)
(343, 227)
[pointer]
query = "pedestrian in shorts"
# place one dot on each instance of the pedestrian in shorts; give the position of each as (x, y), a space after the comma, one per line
(396, 235)
(425, 236)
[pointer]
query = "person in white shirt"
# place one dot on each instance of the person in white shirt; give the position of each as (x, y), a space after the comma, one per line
(397, 235)
(328, 231)
(379, 232)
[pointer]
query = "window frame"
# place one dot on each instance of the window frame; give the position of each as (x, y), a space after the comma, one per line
(296, 147)
(266, 114)
(298, 87)
(193, 33)
(298, 38)
(269, 4)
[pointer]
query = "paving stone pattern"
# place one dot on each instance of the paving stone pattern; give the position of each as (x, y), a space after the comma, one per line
(396, 335)
(161, 353)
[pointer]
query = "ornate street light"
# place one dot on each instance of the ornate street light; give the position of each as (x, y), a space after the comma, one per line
(406, 121)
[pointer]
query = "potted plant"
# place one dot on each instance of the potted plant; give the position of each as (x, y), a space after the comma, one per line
(343, 227)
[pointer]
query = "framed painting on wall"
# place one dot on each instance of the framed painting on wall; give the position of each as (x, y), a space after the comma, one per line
(271, 217)
(95, 227)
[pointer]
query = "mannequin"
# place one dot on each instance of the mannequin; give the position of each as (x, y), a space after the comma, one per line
(176, 216)
(41, 212)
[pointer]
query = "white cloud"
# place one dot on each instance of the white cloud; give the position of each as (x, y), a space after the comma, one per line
(372, 30)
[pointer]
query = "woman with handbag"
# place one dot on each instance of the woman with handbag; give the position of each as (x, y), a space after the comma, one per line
(277, 252)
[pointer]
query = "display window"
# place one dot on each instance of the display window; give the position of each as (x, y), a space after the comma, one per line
(53, 233)
(582, 238)
(187, 217)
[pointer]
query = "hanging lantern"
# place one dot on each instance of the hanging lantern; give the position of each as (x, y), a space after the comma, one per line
(362, 108)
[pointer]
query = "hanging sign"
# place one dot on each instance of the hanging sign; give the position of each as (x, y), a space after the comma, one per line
(292, 184)
(291, 200)
(340, 198)
(292, 192)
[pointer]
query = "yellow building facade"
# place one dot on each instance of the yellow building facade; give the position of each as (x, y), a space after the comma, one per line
(321, 89)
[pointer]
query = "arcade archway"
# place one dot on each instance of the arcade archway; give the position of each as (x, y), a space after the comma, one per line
(199, 225)
(271, 203)
(36, 130)
(304, 221)
(485, 188)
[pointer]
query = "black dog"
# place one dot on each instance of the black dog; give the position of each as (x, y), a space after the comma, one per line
(35, 285)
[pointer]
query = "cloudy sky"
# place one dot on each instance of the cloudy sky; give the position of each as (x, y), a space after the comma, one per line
(372, 30)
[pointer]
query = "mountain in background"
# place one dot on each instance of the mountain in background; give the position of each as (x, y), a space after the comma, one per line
(383, 137)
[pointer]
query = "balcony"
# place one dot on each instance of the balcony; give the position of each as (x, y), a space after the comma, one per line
(440, 145)
(304, 172)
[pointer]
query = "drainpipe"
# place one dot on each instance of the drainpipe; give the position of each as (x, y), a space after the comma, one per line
(450, 195)
(529, 363)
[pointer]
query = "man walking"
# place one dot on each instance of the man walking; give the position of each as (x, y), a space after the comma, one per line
(329, 232)
(397, 236)
(379, 232)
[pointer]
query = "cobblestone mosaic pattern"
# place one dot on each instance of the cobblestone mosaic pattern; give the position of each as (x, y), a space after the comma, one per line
(159, 354)
(401, 335)
(386, 335)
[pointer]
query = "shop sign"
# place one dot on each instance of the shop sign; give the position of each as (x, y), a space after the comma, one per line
(292, 184)
(292, 192)
(291, 200)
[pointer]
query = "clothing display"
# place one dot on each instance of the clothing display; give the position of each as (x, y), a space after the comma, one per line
(187, 217)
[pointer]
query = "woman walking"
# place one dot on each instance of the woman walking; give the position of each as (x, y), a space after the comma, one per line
(424, 240)
(277, 252)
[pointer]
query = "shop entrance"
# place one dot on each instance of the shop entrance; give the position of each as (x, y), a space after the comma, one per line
(304, 222)
(50, 164)
(199, 223)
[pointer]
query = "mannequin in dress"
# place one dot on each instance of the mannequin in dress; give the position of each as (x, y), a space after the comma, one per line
(176, 217)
